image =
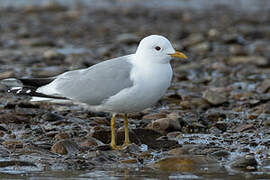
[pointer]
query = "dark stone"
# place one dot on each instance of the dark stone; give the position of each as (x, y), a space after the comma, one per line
(65, 147)
(244, 162)
(52, 117)
(16, 163)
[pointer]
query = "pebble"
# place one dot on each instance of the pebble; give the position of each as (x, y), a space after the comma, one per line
(244, 127)
(221, 125)
(12, 144)
(266, 123)
(174, 134)
(256, 60)
(264, 86)
(214, 97)
(129, 161)
(195, 103)
(182, 164)
(91, 142)
(50, 117)
(164, 125)
(6, 74)
(154, 116)
(128, 38)
(53, 55)
(65, 147)
(201, 47)
(13, 118)
(245, 162)
(192, 40)
(61, 136)
(180, 150)
(237, 50)
(221, 154)
(215, 130)
(15, 163)
(214, 115)
(41, 42)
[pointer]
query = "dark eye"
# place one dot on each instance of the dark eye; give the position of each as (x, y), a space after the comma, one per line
(157, 48)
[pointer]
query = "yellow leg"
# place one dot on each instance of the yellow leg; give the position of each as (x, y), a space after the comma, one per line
(126, 142)
(113, 134)
(113, 143)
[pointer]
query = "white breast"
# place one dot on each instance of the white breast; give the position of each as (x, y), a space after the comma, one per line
(150, 83)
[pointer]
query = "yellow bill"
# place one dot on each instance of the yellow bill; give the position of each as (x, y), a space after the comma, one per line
(178, 54)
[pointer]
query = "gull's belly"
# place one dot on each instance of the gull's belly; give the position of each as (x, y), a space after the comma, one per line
(148, 88)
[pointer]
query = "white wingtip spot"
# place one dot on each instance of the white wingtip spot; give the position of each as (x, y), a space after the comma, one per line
(15, 88)
(20, 90)
(28, 91)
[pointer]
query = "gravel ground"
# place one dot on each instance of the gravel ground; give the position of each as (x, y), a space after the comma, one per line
(213, 121)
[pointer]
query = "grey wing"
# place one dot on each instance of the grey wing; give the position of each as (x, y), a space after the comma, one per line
(97, 83)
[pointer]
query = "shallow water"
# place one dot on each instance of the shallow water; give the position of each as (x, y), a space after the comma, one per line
(204, 172)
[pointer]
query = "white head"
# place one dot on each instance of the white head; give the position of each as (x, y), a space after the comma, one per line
(157, 49)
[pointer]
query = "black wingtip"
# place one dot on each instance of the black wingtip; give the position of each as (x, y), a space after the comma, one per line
(28, 91)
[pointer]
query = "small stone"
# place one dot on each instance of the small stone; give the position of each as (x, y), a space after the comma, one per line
(16, 164)
(195, 103)
(174, 115)
(6, 74)
(92, 142)
(244, 127)
(128, 38)
(101, 121)
(201, 47)
(12, 136)
(233, 39)
(2, 133)
(252, 116)
(164, 124)
(213, 33)
(65, 147)
(149, 137)
(266, 108)
(244, 162)
(237, 50)
(13, 118)
(221, 125)
(154, 116)
(62, 135)
(214, 97)
(266, 123)
(264, 86)
(221, 154)
(256, 60)
(53, 55)
(192, 40)
(215, 130)
(214, 115)
(179, 151)
(12, 144)
(177, 164)
(105, 147)
(174, 134)
(50, 6)
(145, 155)
(129, 161)
(52, 117)
(42, 42)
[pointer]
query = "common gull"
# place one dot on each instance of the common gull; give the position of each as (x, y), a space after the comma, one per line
(121, 85)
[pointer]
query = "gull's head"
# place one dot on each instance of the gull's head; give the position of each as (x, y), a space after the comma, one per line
(157, 49)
